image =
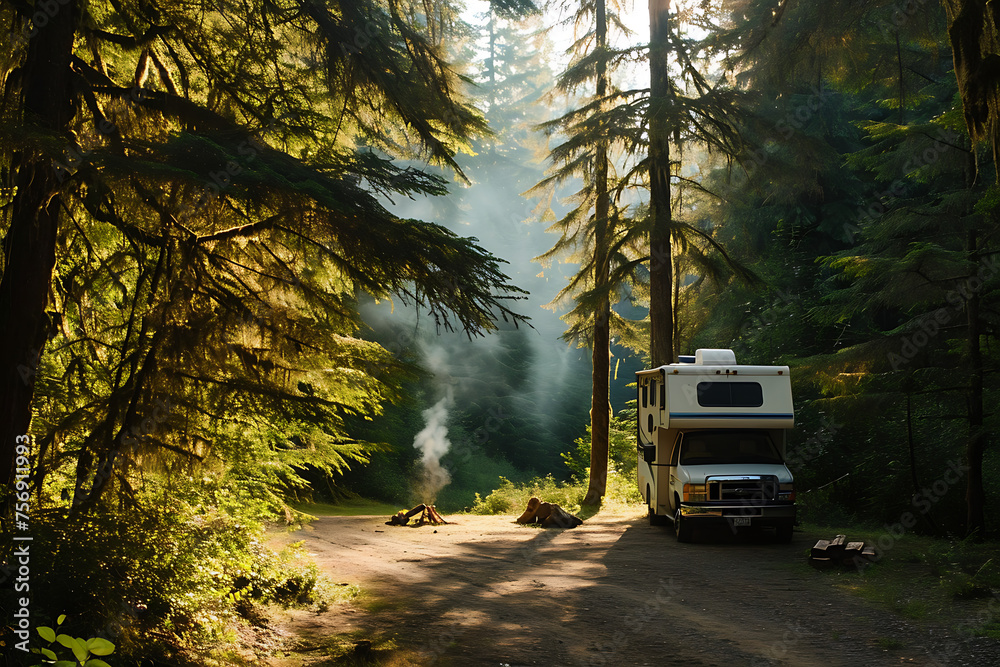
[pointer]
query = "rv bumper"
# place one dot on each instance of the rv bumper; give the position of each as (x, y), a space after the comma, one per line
(734, 514)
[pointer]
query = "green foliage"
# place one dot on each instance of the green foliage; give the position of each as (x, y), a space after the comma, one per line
(622, 488)
(918, 576)
(511, 498)
(472, 477)
(858, 207)
(219, 195)
(219, 243)
(508, 415)
(622, 457)
(290, 578)
(81, 649)
(965, 568)
(821, 506)
(188, 562)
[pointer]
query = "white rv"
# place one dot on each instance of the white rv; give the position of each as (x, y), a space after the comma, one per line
(712, 444)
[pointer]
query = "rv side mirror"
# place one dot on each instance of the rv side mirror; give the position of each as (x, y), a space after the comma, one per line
(649, 453)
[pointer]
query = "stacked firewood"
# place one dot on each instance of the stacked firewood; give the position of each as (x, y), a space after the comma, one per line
(838, 551)
(427, 515)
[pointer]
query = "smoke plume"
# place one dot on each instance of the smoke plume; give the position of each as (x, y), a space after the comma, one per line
(433, 443)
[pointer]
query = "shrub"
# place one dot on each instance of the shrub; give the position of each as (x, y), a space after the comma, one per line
(511, 497)
(622, 454)
(180, 564)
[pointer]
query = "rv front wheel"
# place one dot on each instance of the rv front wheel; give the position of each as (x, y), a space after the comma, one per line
(681, 528)
(783, 532)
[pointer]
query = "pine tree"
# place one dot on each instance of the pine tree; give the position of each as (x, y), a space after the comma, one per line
(893, 208)
(593, 232)
(684, 109)
(190, 189)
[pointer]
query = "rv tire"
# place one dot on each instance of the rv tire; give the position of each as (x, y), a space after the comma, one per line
(783, 532)
(656, 519)
(681, 528)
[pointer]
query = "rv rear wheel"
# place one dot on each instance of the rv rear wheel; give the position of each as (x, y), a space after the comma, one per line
(654, 518)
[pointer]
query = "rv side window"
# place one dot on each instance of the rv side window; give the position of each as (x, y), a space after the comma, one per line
(730, 395)
(663, 395)
(645, 393)
(652, 393)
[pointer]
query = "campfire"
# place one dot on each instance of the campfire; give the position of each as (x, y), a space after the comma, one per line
(427, 515)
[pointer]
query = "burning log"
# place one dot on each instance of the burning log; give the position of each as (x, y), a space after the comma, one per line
(431, 516)
(428, 514)
(401, 518)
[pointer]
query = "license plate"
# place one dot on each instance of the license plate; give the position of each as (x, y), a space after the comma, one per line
(741, 521)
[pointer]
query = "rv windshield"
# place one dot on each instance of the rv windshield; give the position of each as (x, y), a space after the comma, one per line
(714, 447)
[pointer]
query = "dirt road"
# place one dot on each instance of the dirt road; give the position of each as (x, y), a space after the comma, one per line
(614, 591)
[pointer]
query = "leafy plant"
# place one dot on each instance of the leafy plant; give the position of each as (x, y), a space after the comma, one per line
(512, 497)
(622, 452)
(82, 649)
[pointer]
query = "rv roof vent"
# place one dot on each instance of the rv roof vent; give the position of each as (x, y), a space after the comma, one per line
(711, 357)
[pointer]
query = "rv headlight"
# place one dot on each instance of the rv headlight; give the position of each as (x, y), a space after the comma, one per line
(786, 492)
(695, 493)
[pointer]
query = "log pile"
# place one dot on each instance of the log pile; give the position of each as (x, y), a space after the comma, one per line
(428, 515)
(838, 551)
(549, 515)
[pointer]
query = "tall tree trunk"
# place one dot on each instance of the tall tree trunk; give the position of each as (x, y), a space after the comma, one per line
(911, 445)
(600, 408)
(661, 345)
(675, 309)
(29, 247)
(974, 33)
(493, 60)
(974, 495)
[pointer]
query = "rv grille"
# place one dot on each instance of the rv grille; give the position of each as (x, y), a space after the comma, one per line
(763, 487)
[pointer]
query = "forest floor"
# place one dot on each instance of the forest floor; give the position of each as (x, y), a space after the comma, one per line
(484, 590)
